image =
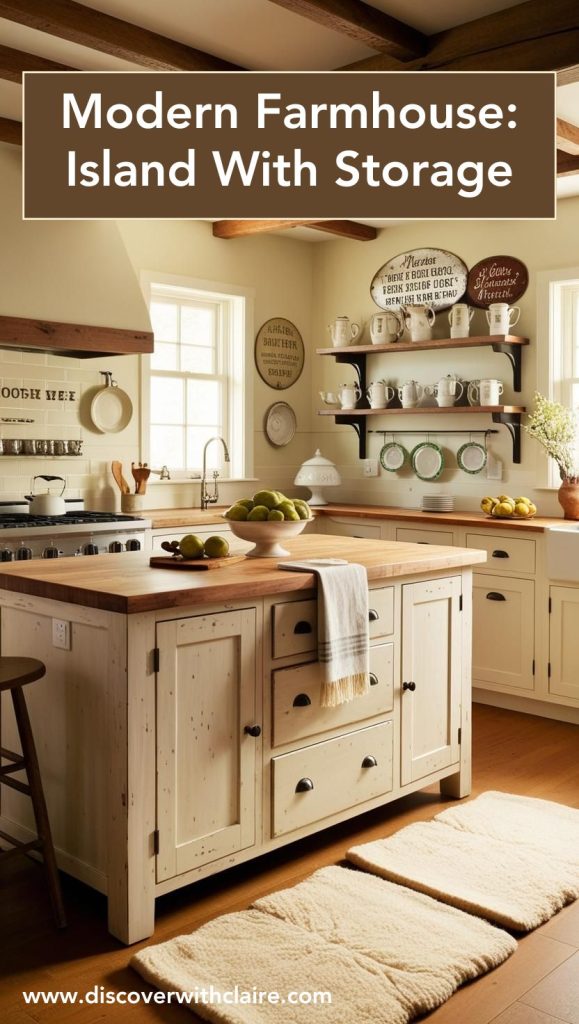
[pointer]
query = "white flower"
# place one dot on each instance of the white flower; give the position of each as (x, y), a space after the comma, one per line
(555, 427)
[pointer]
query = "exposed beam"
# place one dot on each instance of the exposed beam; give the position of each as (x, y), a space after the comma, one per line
(87, 27)
(568, 76)
(344, 228)
(14, 62)
(363, 23)
(567, 137)
(566, 164)
(10, 131)
(532, 36)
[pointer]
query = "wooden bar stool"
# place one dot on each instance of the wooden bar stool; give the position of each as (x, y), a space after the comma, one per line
(14, 674)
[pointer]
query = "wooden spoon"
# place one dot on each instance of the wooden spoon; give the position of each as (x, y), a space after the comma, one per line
(117, 469)
(140, 475)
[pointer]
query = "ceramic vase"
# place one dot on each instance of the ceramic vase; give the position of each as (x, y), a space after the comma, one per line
(568, 497)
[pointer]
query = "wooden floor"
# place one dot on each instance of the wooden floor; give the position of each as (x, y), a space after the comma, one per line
(538, 985)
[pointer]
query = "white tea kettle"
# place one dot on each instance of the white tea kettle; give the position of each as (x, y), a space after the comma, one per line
(47, 504)
(342, 331)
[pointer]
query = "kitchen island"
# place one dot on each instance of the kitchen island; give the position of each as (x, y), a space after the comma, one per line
(180, 729)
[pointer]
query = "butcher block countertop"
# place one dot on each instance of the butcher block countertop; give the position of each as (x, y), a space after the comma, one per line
(127, 584)
(173, 518)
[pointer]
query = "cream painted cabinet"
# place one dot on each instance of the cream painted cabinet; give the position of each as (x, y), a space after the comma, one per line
(564, 642)
(431, 683)
(503, 636)
(206, 758)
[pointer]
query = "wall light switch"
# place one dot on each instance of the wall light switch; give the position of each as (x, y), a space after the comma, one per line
(370, 467)
(61, 634)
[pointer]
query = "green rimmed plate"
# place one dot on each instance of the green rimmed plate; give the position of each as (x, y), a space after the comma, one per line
(427, 460)
(471, 457)
(393, 456)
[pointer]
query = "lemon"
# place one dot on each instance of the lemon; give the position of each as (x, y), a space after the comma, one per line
(246, 502)
(487, 504)
(503, 509)
(268, 498)
(532, 509)
(237, 512)
(216, 547)
(522, 510)
(275, 516)
(191, 546)
(258, 514)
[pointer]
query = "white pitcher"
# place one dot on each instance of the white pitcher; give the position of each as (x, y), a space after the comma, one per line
(487, 391)
(379, 394)
(342, 332)
(349, 395)
(410, 394)
(386, 327)
(419, 321)
(459, 319)
(501, 317)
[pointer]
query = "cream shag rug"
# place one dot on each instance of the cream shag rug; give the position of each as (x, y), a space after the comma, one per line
(514, 860)
(385, 953)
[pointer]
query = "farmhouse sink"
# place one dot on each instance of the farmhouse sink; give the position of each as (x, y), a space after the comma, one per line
(563, 553)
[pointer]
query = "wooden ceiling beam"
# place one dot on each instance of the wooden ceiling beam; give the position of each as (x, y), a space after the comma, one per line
(14, 62)
(343, 228)
(87, 27)
(567, 163)
(568, 76)
(364, 23)
(10, 131)
(542, 35)
(567, 137)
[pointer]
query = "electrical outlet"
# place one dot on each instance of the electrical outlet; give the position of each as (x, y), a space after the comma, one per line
(61, 634)
(370, 467)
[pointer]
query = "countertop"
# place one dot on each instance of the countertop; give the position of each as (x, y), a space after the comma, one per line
(173, 518)
(127, 584)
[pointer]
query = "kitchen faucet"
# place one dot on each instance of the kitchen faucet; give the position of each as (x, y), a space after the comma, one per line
(162, 473)
(206, 498)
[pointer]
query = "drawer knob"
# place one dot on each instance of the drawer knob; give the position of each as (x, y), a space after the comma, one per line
(499, 553)
(373, 679)
(409, 686)
(493, 595)
(302, 700)
(253, 730)
(369, 761)
(302, 627)
(304, 786)
(373, 615)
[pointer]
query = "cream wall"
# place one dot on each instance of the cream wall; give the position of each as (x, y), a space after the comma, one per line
(342, 274)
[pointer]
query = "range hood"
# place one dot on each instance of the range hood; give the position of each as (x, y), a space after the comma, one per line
(66, 287)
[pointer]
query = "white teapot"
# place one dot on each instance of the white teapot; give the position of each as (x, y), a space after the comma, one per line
(448, 390)
(410, 394)
(379, 394)
(342, 332)
(349, 395)
(386, 327)
(419, 321)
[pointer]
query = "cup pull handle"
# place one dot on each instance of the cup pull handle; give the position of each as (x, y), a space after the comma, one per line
(494, 596)
(304, 786)
(301, 701)
(373, 615)
(500, 554)
(302, 627)
(373, 679)
(369, 761)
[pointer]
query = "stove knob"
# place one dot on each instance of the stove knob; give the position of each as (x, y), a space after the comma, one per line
(23, 553)
(6, 555)
(50, 552)
(115, 546)
(90, 549)
(133, 545)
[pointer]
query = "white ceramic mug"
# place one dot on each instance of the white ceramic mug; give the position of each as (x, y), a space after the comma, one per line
(459, 318)
(485, 392)
(379, 394)
(501, 317)
(349, 395)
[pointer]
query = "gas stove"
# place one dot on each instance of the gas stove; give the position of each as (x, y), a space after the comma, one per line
(79, 532)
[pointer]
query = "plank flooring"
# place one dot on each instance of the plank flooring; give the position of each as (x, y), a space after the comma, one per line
(538, 985)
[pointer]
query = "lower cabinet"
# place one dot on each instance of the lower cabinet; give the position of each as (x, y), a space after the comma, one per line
(206, 760)
(503, 652)
(564, 642)
(431, 685)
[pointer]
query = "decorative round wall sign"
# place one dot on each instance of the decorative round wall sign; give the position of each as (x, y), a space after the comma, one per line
(420, 277)
(497, 279)
(279, 353)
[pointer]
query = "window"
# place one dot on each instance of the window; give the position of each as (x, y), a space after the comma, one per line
(194, 384)
(558, 331)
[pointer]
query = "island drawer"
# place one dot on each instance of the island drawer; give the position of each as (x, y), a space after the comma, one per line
(315, 782)
(295, 623)
(443, 537)
(511, 553)
(296, 709)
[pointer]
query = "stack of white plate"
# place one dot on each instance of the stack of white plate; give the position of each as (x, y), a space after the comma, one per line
(437, 503)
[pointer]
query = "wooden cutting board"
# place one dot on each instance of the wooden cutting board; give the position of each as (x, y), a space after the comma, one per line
(169, 562)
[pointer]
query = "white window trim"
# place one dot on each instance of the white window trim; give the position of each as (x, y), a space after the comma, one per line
(548, 357)
(241, 396)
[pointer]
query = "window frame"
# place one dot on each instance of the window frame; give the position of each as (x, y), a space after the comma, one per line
(238, 310)
(552, 357)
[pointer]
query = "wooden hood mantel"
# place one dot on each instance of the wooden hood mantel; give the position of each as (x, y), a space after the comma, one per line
(81, 341)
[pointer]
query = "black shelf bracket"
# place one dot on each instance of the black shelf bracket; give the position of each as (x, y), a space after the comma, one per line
(358, 361)
(514, 354)
(359, 425)
(512, 421)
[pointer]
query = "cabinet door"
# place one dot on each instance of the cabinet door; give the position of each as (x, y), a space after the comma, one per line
(503, 632)
(563, 642)
(206, 762)
(432, 661)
